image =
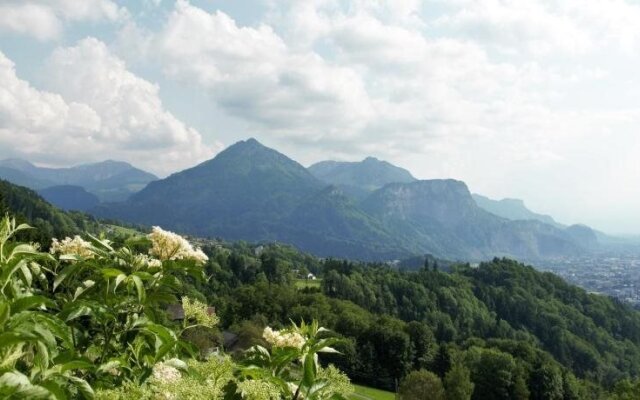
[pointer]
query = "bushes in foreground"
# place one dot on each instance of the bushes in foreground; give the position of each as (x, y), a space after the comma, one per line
(87, 320)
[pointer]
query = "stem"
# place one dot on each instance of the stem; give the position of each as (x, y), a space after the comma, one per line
(295, 396)
(107, 339)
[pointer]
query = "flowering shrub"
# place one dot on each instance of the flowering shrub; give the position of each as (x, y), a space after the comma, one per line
(72, 247)
(169, 246)
(258, 390)
(292, 364)
(198, 312)
(283, 338)
(85, 317)
(164, 373)
(36, 357)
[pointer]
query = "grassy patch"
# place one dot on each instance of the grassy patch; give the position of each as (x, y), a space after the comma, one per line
(366, 393)
(308, 283)
(122, 230)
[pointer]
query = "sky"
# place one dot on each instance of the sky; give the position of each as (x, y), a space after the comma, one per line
(530, 99)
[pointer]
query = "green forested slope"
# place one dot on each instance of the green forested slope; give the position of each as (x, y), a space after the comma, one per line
(500, 318)
(27, 206)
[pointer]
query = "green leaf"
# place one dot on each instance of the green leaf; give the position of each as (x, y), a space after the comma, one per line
(79, 311)
(139, 287)
(5, 313)
(309, 371)
(177, 364)
(26, 274)
(9, 339)
(111, 272)
(23, 249)
(119, 279)
(56, 391)
(14, 379)
(7, 273)
(328, 350)
(67, 272)
(30, 302)
(56, 326)
(83, 387)
(42, 356)
(76, 364)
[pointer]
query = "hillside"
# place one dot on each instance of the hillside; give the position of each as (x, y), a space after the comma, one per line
(27, 206)
(251, 192)
(502, 317)
(108, 180)
(69, 197)
(443, 214)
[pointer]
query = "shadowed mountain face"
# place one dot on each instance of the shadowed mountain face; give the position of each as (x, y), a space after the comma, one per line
(443, 214)
(359, 179)
(255, 193)
(108, 180)
(69, 197)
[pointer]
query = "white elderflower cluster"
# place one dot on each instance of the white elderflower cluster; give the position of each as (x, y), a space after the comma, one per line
(283, 338)
(195, 310)
(73, 247)
(258, 390)
(165, 373)
(170, 246)
(145, 261)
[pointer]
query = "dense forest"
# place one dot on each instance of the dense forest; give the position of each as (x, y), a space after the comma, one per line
(27, 206)
(520, 333)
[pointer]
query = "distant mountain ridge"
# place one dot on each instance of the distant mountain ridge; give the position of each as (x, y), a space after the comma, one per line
(69, 197)
(513, 209)
(252, 192)
(359, 179)
(108, 180)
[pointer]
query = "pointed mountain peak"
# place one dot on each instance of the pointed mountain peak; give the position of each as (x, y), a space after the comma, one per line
(250, 143)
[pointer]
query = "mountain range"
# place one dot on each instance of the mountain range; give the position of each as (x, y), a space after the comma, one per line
(106, 181)
(368, 210)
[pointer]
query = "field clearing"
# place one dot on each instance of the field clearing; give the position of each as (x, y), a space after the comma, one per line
(366, 393)
(308, 283)
(123, 230)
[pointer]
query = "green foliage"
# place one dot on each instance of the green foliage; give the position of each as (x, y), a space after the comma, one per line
(292, 365)
(88, 315)
(626, 390)
(36, 346)
(28, 207)
(458, 383)
(419, 385)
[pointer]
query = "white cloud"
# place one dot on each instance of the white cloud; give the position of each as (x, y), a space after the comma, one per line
(514, 97)
(45, 19)
(32, 120)
(95, 109)
(254, 75)
(545, 27)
